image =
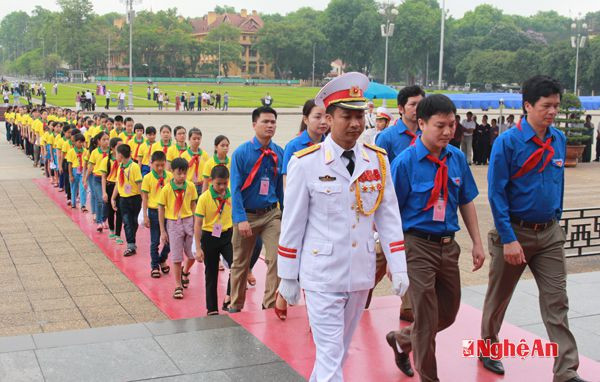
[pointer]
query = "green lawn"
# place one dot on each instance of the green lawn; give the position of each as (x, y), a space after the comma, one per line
(239, 96)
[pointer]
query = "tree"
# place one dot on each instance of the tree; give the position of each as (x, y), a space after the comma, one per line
(224, 9)
(224, 41)
(12, 28)
(75, 23)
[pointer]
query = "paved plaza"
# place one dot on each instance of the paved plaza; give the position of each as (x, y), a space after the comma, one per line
(56, 281)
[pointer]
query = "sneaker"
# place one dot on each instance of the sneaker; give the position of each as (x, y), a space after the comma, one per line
(99, 228)
(112, 236)
(119, 240)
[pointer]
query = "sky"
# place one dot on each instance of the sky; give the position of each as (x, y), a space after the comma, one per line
(197, 8)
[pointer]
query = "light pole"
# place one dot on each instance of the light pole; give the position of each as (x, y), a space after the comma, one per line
(313, 66)
(130, 16)
(580, 31)
(441, 65)
(387, 30)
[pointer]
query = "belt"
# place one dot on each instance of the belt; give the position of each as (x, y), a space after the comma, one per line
(440, 239)
(533, 226)
(261, 211)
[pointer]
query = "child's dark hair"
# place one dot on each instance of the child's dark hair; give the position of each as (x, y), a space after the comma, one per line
(74, 131)
(219, 139)
(158, 156)
(150, 130)
(118, 118)
(124, 150)
(179, 164)
(165, 127)
(78, 138)
(138, 126)
(113, 143)
(220, 172)
(435, 104)
(95, 141)
(194, 130)
(128, 119)
(176, 129)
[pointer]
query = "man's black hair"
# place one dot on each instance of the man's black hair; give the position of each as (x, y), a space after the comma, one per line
(435, 104)
(124, 150)
(220, 172)
(540, 86)
(410, 91)
(263, 110)
(179, 164)
(158, 156)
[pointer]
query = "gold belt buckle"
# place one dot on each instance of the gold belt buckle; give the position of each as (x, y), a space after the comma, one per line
(446, 239)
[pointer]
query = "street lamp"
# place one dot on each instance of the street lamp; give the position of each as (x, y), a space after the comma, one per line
(130, 16)
(580, 31)
(387, 30)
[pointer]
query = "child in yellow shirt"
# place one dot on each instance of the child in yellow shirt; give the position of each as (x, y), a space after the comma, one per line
(74, 158)
(99, 149)
(129, 181)
(219, 158)
(213, 232)
(146, 149)
(137, 144)
(109, 167)
(152, 185)
(177, 203)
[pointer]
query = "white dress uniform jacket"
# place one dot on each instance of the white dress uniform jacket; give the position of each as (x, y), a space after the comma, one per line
(324, 240)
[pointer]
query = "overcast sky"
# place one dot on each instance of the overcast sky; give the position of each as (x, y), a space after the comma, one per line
(200, 7)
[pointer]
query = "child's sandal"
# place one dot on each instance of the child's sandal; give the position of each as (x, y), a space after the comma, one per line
(185, 282)
(178, 293)
(129, 252)
(165, 269)
(155, 274)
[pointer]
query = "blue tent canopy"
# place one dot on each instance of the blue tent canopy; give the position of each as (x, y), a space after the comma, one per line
(511, 101)
(380, 91)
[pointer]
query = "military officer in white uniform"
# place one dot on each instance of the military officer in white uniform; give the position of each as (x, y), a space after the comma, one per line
(335, 192)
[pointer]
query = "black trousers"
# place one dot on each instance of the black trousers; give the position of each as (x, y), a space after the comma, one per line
(130, 209)
(115, 220)
(213, 248)
(66, 180)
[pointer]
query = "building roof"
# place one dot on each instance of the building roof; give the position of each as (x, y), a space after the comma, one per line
(250, 22)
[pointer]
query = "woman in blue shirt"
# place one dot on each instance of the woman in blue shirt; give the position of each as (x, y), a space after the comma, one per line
(313, 129)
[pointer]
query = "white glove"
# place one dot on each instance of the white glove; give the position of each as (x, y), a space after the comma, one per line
(290, 291)
(400, 283)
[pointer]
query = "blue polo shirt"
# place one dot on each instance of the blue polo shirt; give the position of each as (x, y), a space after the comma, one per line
(302, 141)
(242, 161)
(394, 139)
(536, 197)
(413, 175)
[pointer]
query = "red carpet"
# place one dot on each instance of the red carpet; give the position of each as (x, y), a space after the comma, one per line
(370, 357)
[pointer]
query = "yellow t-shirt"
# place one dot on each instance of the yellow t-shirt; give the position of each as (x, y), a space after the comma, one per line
(151, 186)
(167, 199)
(133, 179)
(66, 146)
(208, 207)
(158, 146)
(58, 142)
(95, 160)
(114, 133)
(194, 173)
(137, 149)
(75, 157)
(212, 162)
(175, 152)
(146, 147)
(37, 126)
(126, 138)
(112, 172)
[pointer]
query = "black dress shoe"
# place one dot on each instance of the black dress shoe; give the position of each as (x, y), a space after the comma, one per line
(576, 379)
(492, 365)
(402, 360)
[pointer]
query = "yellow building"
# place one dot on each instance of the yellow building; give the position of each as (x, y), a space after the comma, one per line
(248, 24)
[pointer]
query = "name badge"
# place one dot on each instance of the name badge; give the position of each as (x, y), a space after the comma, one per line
(264, 187)
(217, 230)
(127, 188)
(439, 211)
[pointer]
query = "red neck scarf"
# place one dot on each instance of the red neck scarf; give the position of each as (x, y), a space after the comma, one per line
(179, 196)
(222, 202)
(254, 171)
(412, 135)
(441, 182)
(113, 169)
(195, 161)
(536, 156)
(80, 160)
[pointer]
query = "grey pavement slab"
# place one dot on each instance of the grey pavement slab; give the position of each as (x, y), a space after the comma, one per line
(215, 349)
(20, 367)
(190, 325)
(105, 362)
(211, 376)
(271, 372)
(16, 343)
(90, 336)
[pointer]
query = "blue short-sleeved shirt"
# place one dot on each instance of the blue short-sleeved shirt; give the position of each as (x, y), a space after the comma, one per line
(302, 141)
(242, 161)
(535, 197)
(414, 175)
(394, 139)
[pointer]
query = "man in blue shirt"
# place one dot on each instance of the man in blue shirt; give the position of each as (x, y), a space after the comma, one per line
(395, 139)
(433, 181)
(404, 132)
(525, 190)
(257, 194)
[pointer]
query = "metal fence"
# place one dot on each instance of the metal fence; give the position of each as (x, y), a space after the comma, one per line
(582, 228)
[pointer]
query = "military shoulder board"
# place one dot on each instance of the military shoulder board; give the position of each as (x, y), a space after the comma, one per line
(376, 148)
(306, 151)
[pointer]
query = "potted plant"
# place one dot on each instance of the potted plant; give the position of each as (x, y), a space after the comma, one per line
(572, 125)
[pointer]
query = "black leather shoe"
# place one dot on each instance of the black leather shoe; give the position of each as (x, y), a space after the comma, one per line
(492, 365)
(576, 379)
(402, 360)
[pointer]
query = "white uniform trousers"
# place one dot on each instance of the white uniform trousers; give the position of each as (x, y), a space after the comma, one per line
(333, 318)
